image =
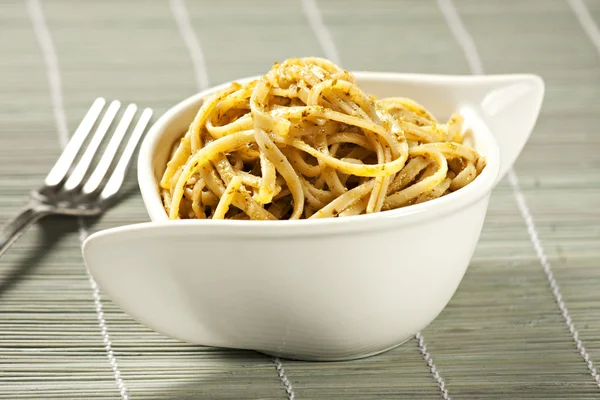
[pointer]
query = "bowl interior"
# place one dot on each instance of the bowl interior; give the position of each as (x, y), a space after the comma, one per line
(442, 95)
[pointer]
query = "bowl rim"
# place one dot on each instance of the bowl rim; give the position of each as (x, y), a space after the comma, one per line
(460, 199)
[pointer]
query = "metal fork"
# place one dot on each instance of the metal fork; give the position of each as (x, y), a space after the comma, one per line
(74, 191)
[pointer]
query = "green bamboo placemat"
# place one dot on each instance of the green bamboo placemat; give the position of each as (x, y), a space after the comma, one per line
(506, 333)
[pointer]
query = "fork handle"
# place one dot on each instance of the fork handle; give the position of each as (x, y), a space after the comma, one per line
(18, 225)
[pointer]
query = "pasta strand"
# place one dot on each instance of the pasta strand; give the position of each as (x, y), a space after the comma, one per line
(305, 141)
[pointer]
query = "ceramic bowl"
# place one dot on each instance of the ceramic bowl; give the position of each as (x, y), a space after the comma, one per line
(330, 289)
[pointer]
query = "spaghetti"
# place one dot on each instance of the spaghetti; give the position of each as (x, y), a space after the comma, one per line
(304, 141)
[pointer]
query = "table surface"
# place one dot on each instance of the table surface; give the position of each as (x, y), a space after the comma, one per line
(524, 323)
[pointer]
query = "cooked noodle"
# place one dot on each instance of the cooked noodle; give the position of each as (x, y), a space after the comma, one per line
(304, 141)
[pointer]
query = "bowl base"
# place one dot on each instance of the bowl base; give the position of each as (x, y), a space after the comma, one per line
(316, 357)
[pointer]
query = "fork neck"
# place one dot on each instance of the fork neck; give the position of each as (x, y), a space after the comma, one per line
(19, 224)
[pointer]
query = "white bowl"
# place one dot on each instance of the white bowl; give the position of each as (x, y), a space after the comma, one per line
(330, 289)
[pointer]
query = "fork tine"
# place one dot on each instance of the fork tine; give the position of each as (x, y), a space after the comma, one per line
(74, 181)
(118, 176)
(60, 169)
(99, 173)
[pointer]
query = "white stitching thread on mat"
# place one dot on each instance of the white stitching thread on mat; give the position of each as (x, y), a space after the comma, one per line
(315, 19)
(586, 21)
(41, 32)
(429, 360)
(322, 33)
(287, 385)
(537, 245)
(43, 36)
(182, 17)
(466, 42)
(461, 35)
(591, 29)
(432, 368)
